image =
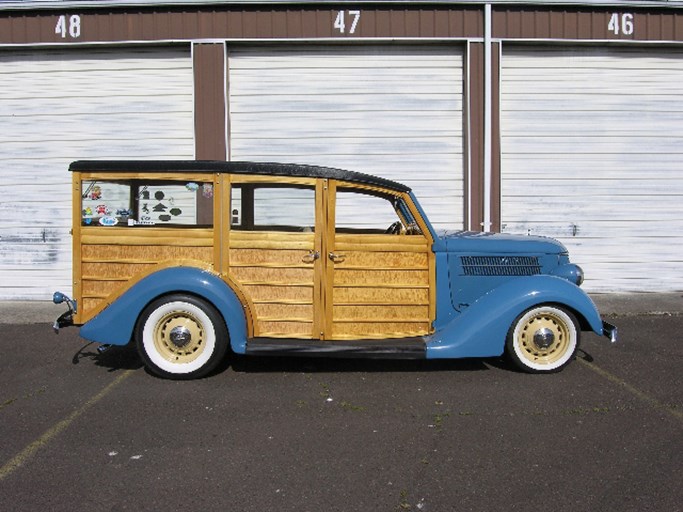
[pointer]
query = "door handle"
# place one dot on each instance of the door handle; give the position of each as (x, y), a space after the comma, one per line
(337, 258)
(311, 257)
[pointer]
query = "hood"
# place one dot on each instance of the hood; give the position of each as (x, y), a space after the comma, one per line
(472, 242)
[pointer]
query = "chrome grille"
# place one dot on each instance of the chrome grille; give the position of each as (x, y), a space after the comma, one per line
(500, 265)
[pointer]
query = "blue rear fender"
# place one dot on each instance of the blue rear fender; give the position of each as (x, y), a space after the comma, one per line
(481, 329)
(115, 324)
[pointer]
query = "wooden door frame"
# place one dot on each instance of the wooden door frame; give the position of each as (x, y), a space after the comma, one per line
(329, 245)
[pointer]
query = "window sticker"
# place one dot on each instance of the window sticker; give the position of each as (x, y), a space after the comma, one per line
(108, 220)
(100, 202)
(163, 203)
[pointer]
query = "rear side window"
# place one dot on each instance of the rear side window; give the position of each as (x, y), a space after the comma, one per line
(272, 208)
(146, 203)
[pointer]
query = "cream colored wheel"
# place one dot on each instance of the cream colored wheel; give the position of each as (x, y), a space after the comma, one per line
(543, 339)
(181, 337)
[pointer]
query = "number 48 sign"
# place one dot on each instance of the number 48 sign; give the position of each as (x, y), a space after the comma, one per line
(70, 25)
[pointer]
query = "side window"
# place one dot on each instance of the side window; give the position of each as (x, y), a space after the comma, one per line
(105, 203)
(146, 203)
(358, 211)
(266, 207)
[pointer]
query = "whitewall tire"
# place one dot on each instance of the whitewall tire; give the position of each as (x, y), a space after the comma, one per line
(181, 337)
(543, 339)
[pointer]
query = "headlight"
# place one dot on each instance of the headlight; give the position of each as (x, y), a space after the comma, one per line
(570, 272)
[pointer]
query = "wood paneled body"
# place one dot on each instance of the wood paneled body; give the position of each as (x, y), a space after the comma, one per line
(381, 289)
(273, 275)
(113, 258)
(108, 260)
(309, 280)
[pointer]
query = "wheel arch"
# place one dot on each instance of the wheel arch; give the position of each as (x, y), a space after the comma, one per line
(581, 318)
(116, 324)
(495, 312)
(171, 293)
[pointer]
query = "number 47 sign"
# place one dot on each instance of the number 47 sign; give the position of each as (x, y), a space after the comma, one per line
(340, 22)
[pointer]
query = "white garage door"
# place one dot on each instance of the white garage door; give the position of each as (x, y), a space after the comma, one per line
(56, 107)
(592, 154)
(391, 111)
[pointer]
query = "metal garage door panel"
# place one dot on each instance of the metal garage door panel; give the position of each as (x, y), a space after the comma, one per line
(60, 106)
(391, 111)
(592, 145)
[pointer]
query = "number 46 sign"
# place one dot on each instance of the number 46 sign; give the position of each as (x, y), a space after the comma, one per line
(621, 24)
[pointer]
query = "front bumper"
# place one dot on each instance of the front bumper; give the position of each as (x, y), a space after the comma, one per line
(610, 331)
(66, 319)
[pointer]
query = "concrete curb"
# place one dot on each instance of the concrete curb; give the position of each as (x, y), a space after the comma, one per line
(36, 312)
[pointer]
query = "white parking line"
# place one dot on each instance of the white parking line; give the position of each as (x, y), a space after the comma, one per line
(27, 453)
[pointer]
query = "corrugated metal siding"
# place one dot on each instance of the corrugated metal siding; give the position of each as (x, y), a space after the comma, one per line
(61, 106)
(391, 111)
(533, 22)
(245, 22)
(592, 154)
(590, 22)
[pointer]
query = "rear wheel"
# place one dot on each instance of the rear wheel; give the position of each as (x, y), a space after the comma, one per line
(543, 339)
(181, 337)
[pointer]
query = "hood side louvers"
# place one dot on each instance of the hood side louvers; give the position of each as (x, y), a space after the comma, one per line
(500, 265)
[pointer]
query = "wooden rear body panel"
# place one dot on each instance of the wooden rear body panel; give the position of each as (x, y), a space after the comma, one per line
(314, 284)
(110, 264)
(108, 260)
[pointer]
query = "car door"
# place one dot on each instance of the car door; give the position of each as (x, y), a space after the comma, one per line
(379, 267)
(275, 243)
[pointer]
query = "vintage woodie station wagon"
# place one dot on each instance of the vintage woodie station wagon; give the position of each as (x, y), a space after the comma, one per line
(193, 259)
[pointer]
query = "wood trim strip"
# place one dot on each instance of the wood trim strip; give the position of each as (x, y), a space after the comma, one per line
(167, 241)
(398, 286)
(157, 176)
(382, 320)
(76, 205)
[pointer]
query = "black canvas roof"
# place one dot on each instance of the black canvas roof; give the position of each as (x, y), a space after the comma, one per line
(212, 166)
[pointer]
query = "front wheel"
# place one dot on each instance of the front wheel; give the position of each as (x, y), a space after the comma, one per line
(181, 337)
(543, 339)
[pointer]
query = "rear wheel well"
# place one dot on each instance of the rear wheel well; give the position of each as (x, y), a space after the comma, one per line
(180, 292)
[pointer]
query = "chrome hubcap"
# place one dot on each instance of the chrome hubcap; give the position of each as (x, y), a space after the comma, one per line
(180, 336)
(544, 338)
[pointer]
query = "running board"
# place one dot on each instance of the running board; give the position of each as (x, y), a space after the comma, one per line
(405, 348)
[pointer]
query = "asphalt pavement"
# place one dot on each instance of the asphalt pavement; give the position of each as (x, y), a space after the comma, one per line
(88, 431)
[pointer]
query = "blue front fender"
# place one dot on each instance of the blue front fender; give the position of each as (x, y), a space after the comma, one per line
(480, 330)
(115, 324)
